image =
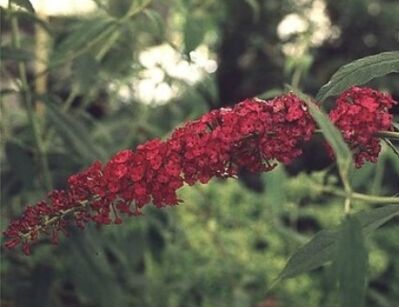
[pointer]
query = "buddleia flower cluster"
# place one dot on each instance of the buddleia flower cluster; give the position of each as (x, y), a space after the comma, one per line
(254, 135)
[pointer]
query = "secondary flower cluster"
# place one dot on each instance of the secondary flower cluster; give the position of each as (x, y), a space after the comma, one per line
(359, 113)
(254, 134)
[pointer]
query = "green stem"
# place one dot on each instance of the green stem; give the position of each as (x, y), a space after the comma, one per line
(382, 134)
(392, 146)
(133, 11)
(296, 77)
(70, 99)
(28, 102)
(360, 197)
(375, 198)
(388, 134)
(76, 53)
(348, 204)
(113, 37)
(55, 218)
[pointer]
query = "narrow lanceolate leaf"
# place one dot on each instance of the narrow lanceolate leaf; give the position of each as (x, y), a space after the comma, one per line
(321, 248)
(359, 72)
(333, 136)
(312, 255)
(351, 263)
(83, 37)
(74, 134)
(85, 70)
(25, 4)
(373, 219)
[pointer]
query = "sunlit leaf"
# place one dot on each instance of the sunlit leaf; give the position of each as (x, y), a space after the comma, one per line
(360, 72)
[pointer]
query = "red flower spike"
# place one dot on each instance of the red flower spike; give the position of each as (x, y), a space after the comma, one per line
(253, 134)
(359, 113)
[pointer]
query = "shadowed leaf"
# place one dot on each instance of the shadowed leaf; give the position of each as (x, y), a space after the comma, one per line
(73, 133)
(321, 248)
(351, 263)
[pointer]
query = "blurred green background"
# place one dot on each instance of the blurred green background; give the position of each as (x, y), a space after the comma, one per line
(113, 73)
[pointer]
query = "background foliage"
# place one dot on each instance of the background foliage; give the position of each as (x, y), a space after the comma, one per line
(226, 245)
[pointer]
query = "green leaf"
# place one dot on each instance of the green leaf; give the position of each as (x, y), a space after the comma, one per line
(15, 54)
(156, 24)
(373, 219)
(194, 32)
(312, 255)
(274, 181)
(73, 133)
(85, 72)
(321, 248)
(394, 149)
(351, 263)
(117, 61)
(359, 72)
(333, 136)
(25, 4)
(90, 269)
(84, 37)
